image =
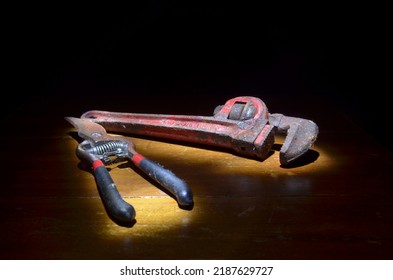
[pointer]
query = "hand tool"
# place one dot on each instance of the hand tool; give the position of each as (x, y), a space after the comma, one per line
(242, 124)
(99, 149)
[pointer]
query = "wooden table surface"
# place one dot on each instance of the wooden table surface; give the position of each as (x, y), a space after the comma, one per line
(335, 204)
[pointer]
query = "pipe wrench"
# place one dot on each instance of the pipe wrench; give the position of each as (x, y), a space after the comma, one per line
(243, 124)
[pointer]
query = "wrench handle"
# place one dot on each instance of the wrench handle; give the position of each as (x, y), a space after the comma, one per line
(113, 202)
(165, 178)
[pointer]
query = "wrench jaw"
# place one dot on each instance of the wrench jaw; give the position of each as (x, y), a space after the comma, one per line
(300, 136)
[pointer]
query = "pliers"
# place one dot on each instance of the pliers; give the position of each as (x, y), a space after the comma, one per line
(99, 149)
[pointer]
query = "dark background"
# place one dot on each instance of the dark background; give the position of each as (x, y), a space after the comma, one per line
(199, 50)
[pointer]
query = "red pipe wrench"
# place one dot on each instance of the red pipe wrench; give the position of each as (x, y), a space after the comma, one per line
(242, 124)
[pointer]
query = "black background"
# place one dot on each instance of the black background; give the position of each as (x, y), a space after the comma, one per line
(202, 48)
